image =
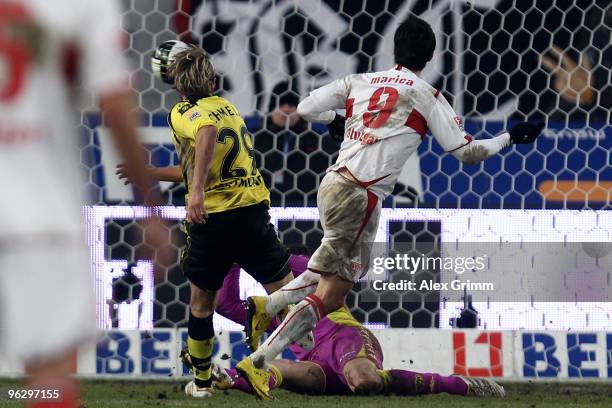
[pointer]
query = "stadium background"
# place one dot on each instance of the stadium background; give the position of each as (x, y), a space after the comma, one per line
(495, 62)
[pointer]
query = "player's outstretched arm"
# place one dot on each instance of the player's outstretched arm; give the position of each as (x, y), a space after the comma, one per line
(169, 173)
(447, 127)
(475, 151)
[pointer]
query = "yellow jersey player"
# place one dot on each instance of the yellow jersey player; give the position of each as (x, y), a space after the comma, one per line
(233, 178)
(227, 201)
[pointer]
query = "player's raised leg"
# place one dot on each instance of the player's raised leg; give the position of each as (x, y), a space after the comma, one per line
(348, 214)
(262, 309)
(264, 257)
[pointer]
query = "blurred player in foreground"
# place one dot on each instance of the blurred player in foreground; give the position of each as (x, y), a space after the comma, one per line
(46, 294)
(227, 200)
(387, 115)
(346, 358)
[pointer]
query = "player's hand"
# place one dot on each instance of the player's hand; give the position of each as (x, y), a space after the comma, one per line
(123, 174)
(196, 213)
(336, 128)
(525, 132)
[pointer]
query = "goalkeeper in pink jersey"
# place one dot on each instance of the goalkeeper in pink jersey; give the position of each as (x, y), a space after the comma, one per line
(346, 357)
(388, 113)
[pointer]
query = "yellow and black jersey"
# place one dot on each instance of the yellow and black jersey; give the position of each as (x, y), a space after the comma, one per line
(233, 179)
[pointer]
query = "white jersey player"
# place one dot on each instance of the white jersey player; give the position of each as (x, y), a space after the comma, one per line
(387, 115)
(46, 302)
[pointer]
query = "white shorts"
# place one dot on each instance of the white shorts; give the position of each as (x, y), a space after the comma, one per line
(46, 297)
(349, 216)
(40, 193)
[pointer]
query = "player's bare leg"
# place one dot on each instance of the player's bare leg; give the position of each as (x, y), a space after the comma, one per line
(302, 377)
(200, 341)
(332, 291)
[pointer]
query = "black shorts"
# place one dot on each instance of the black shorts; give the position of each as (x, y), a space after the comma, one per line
(244, 236)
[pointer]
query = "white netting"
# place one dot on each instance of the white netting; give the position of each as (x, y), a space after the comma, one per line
(496, 61)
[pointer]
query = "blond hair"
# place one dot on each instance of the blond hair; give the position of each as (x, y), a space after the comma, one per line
(193, 73)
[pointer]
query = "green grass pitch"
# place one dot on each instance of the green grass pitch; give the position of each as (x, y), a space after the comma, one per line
(126, 394)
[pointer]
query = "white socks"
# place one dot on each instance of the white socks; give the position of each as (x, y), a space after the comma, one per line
(299, 321)
(293, 292)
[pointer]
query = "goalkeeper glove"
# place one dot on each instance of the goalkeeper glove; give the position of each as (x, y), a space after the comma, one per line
(336, 128)
(525, 132)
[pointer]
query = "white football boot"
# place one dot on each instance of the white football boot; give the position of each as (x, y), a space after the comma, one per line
(193, 390)
(483, 387)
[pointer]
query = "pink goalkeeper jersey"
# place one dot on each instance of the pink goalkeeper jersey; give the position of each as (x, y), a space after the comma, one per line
(387, 115)
(44, 46)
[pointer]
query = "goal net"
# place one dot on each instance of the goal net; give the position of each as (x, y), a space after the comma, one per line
(496, 61)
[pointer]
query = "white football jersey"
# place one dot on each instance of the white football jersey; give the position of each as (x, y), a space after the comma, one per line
(44, 44)
(388, 114)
